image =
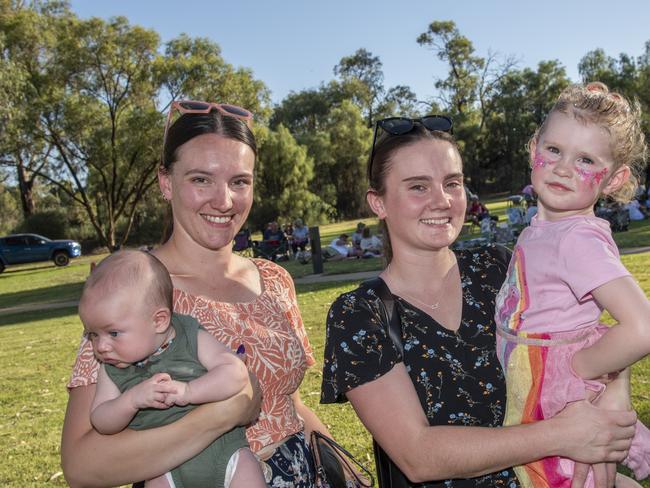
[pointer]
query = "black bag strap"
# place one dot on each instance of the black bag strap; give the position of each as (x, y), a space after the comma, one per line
(388, 474)
(390, 314)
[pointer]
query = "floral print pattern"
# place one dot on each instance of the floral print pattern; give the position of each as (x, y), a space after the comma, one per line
(457, 376)
(291, 465)
(277, 349)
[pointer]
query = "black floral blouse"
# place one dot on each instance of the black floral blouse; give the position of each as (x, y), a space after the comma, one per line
(456, 374)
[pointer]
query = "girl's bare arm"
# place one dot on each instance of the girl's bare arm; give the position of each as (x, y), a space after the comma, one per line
(626, 342)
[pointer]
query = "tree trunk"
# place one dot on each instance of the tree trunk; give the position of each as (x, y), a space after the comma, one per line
(26, 187)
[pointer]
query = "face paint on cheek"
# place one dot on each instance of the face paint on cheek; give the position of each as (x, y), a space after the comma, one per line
(540, 162)
(591, 177)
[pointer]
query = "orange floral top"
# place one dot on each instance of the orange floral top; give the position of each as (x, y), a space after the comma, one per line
(277, 348)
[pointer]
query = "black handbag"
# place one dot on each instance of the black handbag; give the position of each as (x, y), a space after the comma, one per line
(334, 465)
(388, 474)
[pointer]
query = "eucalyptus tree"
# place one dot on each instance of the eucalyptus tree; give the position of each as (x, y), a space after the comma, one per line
(521, 101)
(28, 35)
(348, 147)
(104, 122)
(468, 91)
(193, 67)
(283, 174)
(95, 97)
(619, 74)
(338, 142)
(334, 122)
(361, 80)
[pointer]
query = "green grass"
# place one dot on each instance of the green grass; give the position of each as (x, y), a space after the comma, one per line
(638, 235)
(36, 357)
(38, 350)
(44, 282)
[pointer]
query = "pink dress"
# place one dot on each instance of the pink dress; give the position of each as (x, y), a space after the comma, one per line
(544, 314)
(277, 349)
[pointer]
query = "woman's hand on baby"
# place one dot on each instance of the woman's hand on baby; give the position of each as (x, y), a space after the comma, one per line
(604, 475)
(594, 435)
(240, 409)
(256, 399)
(151, 393)
(246, 404)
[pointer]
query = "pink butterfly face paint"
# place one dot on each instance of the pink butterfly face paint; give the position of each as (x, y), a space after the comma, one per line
(591, 177)
(540, 161)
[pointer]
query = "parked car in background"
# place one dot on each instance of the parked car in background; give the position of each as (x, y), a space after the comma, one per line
(30, 248)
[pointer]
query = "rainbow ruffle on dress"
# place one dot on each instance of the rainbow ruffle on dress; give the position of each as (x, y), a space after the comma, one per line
(538, 378)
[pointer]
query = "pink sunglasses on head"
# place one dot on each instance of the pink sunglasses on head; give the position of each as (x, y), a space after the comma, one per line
(197, 107)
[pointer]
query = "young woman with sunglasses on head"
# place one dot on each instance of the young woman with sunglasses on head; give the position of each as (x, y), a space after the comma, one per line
(207, 176)
(434, 410)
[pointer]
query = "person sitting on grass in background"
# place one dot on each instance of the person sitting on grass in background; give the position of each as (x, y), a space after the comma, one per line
(634, 210)
(565, 270)
(357, 235)
(156, 366)
(340, 249)
(531, 211)
(300, 236)
(273, 232)
(288, 230)
(370, 244)
(273, 241)
(476, 211)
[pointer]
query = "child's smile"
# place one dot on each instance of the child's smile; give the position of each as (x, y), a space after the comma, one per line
(571, 165)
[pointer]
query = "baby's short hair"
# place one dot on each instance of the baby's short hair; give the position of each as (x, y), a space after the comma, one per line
(132, 268)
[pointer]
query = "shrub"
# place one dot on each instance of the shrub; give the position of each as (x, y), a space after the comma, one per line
(49, 223)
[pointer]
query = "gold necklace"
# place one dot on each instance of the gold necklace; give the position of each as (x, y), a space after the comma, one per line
(432, 306)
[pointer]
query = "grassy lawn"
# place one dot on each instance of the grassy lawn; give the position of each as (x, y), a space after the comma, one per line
(38, 350)
(43, 282)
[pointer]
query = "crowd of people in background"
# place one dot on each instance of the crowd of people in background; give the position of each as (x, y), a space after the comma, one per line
(292, 241)
(523, 207)
(619, 215)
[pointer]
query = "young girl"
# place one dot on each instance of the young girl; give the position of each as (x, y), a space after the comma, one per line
(565, 270)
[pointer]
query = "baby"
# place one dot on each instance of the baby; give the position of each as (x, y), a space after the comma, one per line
(156, 366)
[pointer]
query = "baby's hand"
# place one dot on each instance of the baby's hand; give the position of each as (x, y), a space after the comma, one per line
(179, 394)
(151, 393)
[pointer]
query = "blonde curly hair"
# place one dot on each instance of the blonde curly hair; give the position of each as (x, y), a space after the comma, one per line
(594, 103)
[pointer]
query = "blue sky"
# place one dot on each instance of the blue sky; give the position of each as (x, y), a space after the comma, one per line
(292, 45)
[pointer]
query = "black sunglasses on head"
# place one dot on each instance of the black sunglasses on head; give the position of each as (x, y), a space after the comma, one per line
(398, 126)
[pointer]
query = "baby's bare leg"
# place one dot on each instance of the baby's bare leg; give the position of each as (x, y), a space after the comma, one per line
(247, 471)
(160, 482)
(623, 481)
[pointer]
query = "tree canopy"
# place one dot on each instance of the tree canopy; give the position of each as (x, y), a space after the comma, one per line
(82, 104)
